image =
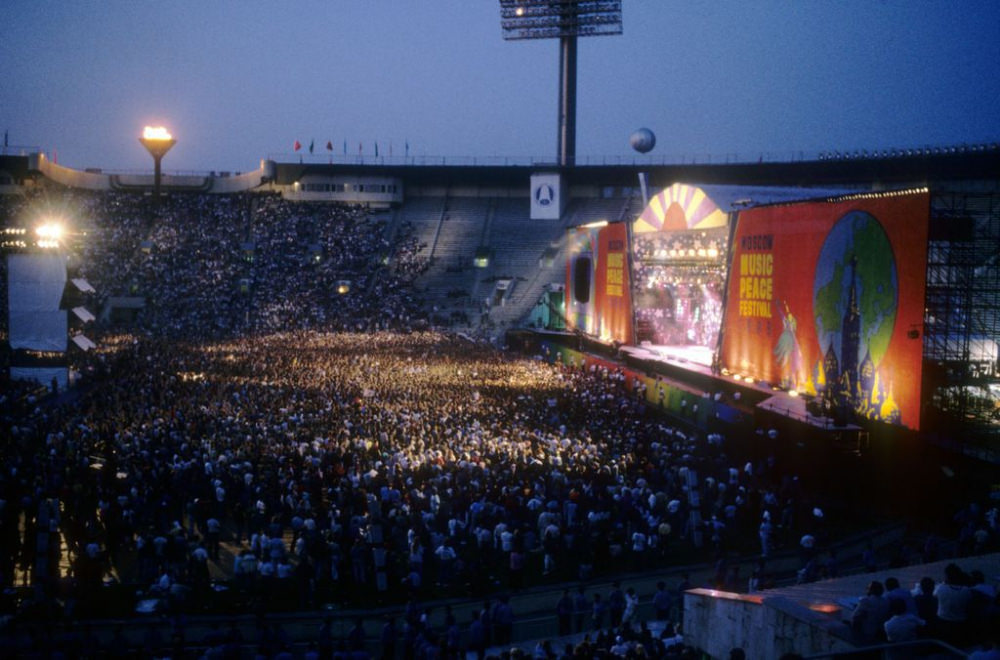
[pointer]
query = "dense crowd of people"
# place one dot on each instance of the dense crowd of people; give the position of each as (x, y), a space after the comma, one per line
(215, 265)
(255, 427)
(405, 459)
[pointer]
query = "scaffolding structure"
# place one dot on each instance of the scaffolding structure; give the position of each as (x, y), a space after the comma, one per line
(961, 383)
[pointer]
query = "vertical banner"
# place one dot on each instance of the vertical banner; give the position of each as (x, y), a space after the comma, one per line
(547, 198)
(827, 298)
(613, 289)
(580, 279)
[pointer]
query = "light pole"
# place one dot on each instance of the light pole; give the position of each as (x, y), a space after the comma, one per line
(158, 142)
(565, 20)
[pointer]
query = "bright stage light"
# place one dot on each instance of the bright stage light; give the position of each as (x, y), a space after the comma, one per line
(596, 224)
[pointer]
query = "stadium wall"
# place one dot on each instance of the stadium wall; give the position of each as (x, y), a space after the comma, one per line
(89, 180)
(68, 176)
(716, 622)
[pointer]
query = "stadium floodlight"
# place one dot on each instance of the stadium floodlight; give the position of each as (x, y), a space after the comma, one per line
(565, 20)
(50, 230)
(49, 235)
(158, 142)
(547, 19)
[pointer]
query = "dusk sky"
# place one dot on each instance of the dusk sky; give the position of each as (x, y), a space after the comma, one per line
(236, 82)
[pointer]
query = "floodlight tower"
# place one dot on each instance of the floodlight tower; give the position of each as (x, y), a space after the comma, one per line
(158, 142)
(567, 20)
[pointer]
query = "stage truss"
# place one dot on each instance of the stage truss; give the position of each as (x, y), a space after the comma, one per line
(962, 319)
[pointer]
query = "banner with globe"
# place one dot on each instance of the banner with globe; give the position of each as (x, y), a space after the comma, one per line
(826, 298)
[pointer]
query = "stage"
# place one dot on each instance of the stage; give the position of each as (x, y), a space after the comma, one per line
(723, 399)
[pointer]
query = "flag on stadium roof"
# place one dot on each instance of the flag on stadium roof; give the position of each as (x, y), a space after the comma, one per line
(297, 145)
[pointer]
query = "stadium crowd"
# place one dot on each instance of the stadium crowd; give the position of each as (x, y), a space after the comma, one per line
(302, 446)
(335, 459)
(214, 265)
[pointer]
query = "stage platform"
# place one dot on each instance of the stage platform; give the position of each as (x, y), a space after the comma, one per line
(688, 368)
(686, 362)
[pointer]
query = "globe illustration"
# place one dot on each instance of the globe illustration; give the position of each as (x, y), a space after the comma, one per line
(855, 289)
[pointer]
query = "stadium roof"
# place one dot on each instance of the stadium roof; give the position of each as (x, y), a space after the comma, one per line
(734, 198)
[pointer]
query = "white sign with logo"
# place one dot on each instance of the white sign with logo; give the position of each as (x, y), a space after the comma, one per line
(547, 198)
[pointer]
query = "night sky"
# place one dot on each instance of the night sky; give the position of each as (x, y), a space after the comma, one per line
(239, 81)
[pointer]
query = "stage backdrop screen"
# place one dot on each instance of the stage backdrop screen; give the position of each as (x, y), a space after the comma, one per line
(680, 243)
(827, 298)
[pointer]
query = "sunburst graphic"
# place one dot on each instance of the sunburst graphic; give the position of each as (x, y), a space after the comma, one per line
(679, 207)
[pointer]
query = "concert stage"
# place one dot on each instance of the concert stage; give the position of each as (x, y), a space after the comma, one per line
(681, 382)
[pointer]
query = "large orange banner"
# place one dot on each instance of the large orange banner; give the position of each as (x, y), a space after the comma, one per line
(613, 288)
(827, 298)
(598, 288)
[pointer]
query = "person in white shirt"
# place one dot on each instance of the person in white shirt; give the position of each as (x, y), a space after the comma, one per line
(953, 603)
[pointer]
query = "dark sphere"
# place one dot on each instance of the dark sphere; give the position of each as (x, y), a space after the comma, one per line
(643, 140)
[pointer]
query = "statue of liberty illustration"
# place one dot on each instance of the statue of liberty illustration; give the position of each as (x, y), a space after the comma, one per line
(787, 350)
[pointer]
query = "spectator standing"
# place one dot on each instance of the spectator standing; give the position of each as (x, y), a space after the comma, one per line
(581, 608)
(564, 613)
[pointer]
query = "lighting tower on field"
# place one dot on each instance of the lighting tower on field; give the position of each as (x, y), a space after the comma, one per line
(567, 20)
(158, 142)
